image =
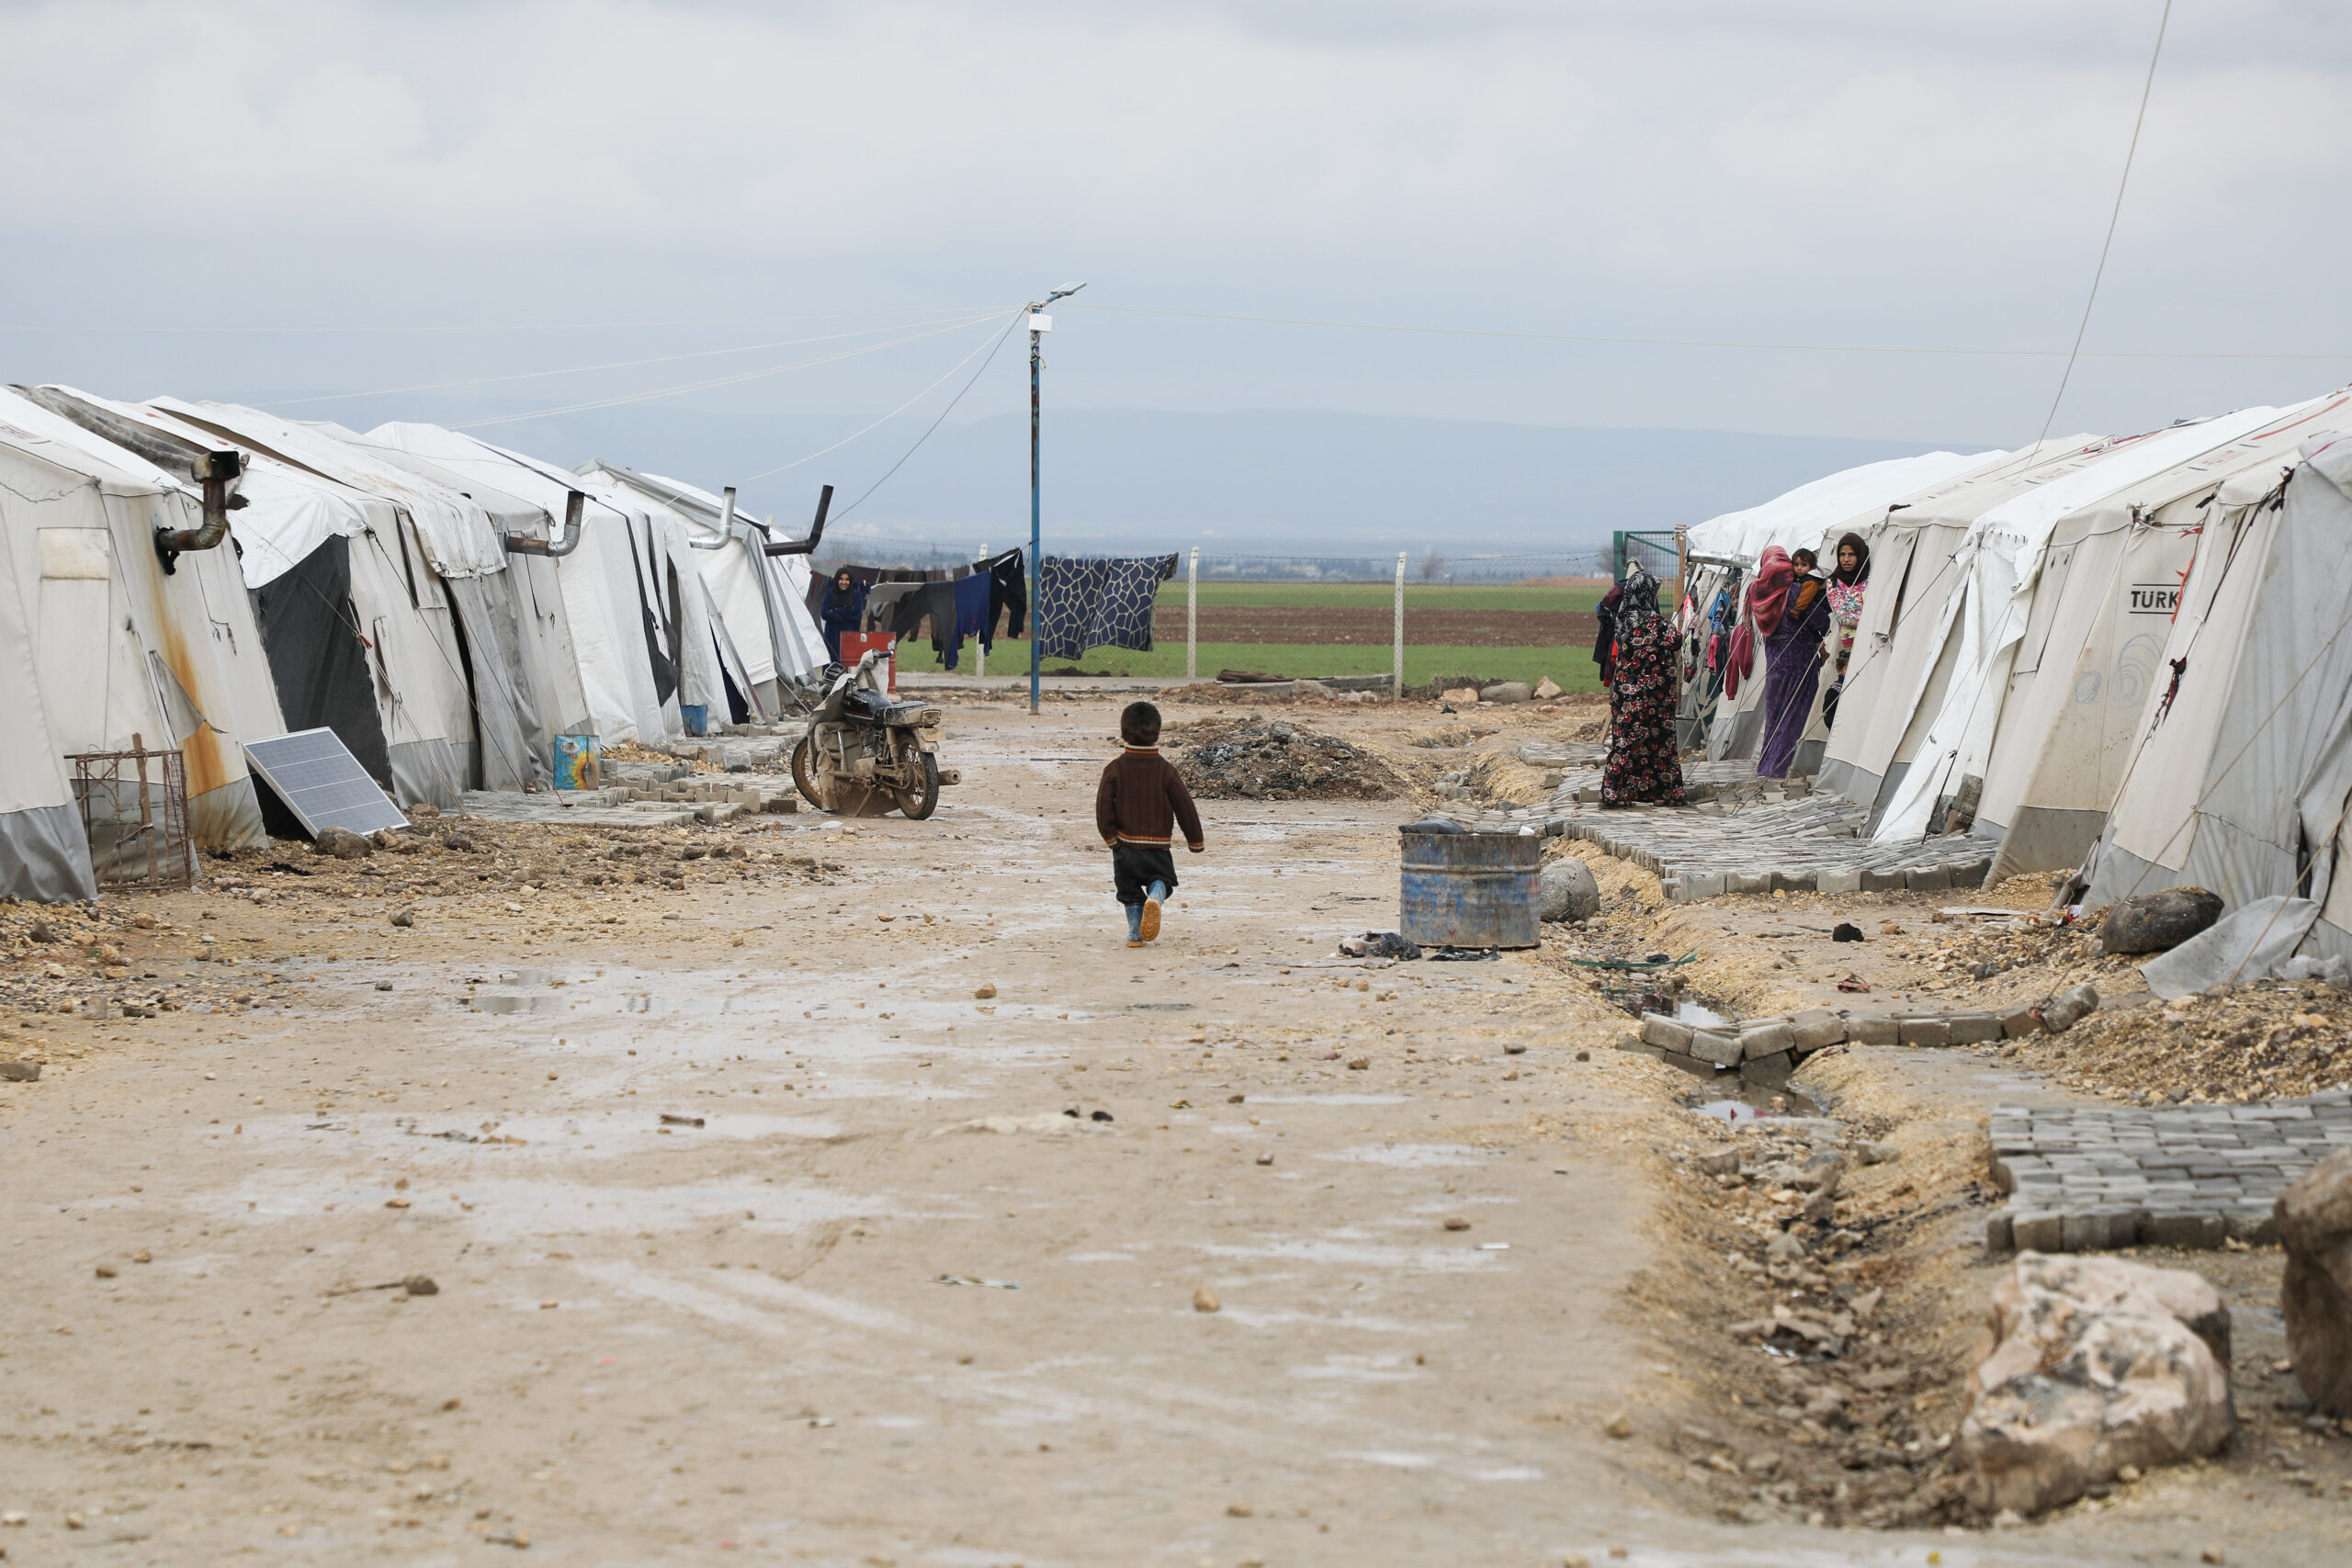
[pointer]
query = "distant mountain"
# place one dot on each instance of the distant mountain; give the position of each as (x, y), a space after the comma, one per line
(1266, 480)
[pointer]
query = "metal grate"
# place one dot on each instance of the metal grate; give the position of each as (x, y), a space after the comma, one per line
(134, 812)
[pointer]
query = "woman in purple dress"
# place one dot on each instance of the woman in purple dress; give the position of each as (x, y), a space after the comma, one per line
(1798, 616)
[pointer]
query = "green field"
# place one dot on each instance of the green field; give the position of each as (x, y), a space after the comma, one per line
(1382, 596)
(1365, 649)
(1571, 667)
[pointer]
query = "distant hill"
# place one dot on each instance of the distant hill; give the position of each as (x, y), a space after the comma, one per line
(1269, 481)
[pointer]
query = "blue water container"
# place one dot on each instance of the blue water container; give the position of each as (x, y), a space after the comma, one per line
(579, 764)
(1470, 889)
(696, 716)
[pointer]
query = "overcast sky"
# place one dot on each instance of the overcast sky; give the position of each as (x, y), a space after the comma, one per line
(1839, 172)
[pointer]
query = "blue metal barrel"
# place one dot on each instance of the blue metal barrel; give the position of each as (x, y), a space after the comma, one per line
(1470, 889)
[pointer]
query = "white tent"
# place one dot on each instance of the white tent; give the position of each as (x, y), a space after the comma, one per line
(1997, 566)
(2086, 669)
(603, 580)
(2241, 775)
(1802, 518)
(357, 625)
(762, 600)
(463, 544)
(45, 854)
(1913, 576)
(121, 647)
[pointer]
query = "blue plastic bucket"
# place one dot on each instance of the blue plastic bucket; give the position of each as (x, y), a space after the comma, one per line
(696, 716)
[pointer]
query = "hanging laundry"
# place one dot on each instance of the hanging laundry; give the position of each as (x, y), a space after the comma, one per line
(1101, 602)
(883, 601)
(1009, 591)
(972, 596)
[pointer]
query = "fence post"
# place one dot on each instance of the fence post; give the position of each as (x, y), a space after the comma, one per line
(1617, 556)
(1192, 617)
(979, 650)
(1397, 680)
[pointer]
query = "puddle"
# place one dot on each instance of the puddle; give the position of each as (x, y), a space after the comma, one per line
(1757, 1100)
(1697, 1017)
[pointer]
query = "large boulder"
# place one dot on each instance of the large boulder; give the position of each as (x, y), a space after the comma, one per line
(1565, 890)
(2315, 1227)
(2158, 921)
(2096, 1364)
(343, 843)
(1505, 692)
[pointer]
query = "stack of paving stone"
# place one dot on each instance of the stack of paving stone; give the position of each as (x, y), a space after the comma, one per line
(1786, 839)
(2084, 1179)
(1770, 1044)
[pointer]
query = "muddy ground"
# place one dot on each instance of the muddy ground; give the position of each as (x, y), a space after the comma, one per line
(907, 1308)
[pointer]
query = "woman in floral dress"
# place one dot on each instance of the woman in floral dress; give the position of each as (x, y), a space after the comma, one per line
(1644, 768)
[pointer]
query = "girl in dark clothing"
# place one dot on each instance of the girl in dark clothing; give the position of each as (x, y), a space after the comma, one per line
(1643, 766)
(845, 603)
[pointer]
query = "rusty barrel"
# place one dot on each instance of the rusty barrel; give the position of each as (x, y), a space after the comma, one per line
(1470, 889)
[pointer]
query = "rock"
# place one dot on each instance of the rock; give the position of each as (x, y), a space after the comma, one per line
(1878, 1154)
(2062, 1013)
(1620, 1426)
(1565, 890)
(42, 931)
(423, 809)
(2096, 1364)
(1846, 930)
(453, 839)
(1205, 1300)
(1505, 692)
(402, 916)
(2314, 1219)
(1456, 1222)
(19, 1072)
(986, 990)
(2154, 922)
(1546, 689)
(343, 844)
(1466, 695)
(1716, 1162)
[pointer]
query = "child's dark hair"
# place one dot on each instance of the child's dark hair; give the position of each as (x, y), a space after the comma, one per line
(1139, 725)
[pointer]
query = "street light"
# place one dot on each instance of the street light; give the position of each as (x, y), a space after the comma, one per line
(1038, 326)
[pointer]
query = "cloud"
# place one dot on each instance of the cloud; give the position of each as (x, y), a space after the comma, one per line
(1833, 171)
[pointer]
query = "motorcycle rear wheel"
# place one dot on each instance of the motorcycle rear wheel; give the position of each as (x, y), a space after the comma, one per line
(921, 803)
(803, 777)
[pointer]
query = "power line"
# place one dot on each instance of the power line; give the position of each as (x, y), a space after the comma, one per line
(942, 415)
(2114, 213)
(614, 365)
(508, 326)
(885, 419)
(1695, 342)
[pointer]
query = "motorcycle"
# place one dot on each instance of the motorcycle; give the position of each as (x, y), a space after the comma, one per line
(863, 755)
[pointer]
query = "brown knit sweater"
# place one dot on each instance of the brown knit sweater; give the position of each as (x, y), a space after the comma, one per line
(1142, 801)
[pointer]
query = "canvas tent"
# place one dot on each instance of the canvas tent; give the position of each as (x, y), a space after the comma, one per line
(761, 600)
(1997, 567)
(1810, 516)
(630, 630)
(462, 543)
(357, 627)
(2087, 667)
(45, 854)
(120, 647)
(2240, 777)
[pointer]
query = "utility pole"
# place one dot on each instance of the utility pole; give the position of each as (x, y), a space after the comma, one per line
(1038, 326)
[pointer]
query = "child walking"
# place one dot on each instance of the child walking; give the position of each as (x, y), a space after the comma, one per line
(1138, 806)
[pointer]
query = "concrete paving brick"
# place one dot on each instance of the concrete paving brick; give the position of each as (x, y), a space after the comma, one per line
(1974, 1028)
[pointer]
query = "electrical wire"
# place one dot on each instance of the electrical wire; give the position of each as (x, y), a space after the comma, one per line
(885, 419)
(734, 380)
(2114, 213)
(512, 326)
(1698, 343)
(615, 364)
(943, 415)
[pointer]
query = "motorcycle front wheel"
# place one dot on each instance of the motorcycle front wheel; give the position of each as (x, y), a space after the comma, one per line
(922, 802)
(803, 776)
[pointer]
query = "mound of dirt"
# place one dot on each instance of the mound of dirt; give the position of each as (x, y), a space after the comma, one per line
(1275, 759)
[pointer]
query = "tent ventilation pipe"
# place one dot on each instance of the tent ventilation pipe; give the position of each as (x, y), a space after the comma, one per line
(726, 526)
(524, 544)
(216, 472)
(816, 529)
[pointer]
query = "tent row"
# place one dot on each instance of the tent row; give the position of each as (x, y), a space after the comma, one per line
(2018, 671)
(447, 606)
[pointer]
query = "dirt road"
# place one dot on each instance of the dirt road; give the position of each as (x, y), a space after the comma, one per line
(756, 1234)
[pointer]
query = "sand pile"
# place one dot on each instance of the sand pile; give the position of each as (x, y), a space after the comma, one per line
(1275, 759)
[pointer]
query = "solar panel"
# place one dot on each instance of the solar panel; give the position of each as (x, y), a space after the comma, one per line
(321, 783)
